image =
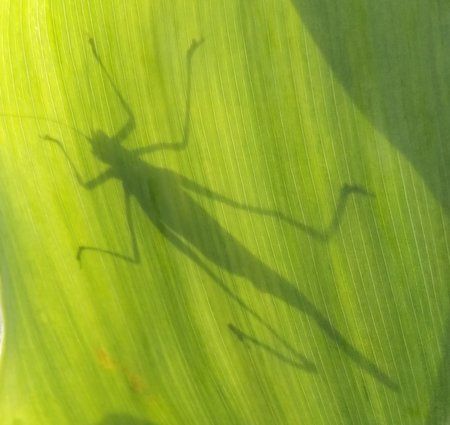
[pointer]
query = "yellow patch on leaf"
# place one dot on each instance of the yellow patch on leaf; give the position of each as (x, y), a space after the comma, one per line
(105, 360)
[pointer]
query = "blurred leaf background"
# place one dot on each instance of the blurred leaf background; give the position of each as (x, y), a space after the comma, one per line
(291, 100)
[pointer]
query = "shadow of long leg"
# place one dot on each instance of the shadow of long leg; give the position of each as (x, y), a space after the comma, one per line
(189, 252)
(321, 235)
(135, 257)
(241, 262)
(267, 281)
(130, 125)
(177, 146)
(345, 192)
(87, 184)
(287, 292)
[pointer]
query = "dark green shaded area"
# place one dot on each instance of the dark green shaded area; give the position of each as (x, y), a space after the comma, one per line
(392, 58)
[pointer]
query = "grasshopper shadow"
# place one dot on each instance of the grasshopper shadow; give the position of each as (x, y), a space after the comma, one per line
(390, 71)
(165, 198)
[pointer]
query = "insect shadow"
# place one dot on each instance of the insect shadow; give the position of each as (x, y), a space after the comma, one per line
(164, 196)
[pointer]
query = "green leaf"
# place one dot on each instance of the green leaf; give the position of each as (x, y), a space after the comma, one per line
(224, 212)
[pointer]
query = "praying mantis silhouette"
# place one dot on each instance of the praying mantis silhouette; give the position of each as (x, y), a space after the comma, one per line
(164, 196)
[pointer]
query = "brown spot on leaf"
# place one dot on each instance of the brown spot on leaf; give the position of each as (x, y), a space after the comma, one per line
(105, 360)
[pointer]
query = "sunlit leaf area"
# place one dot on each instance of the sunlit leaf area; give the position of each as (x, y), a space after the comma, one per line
(225, 212)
